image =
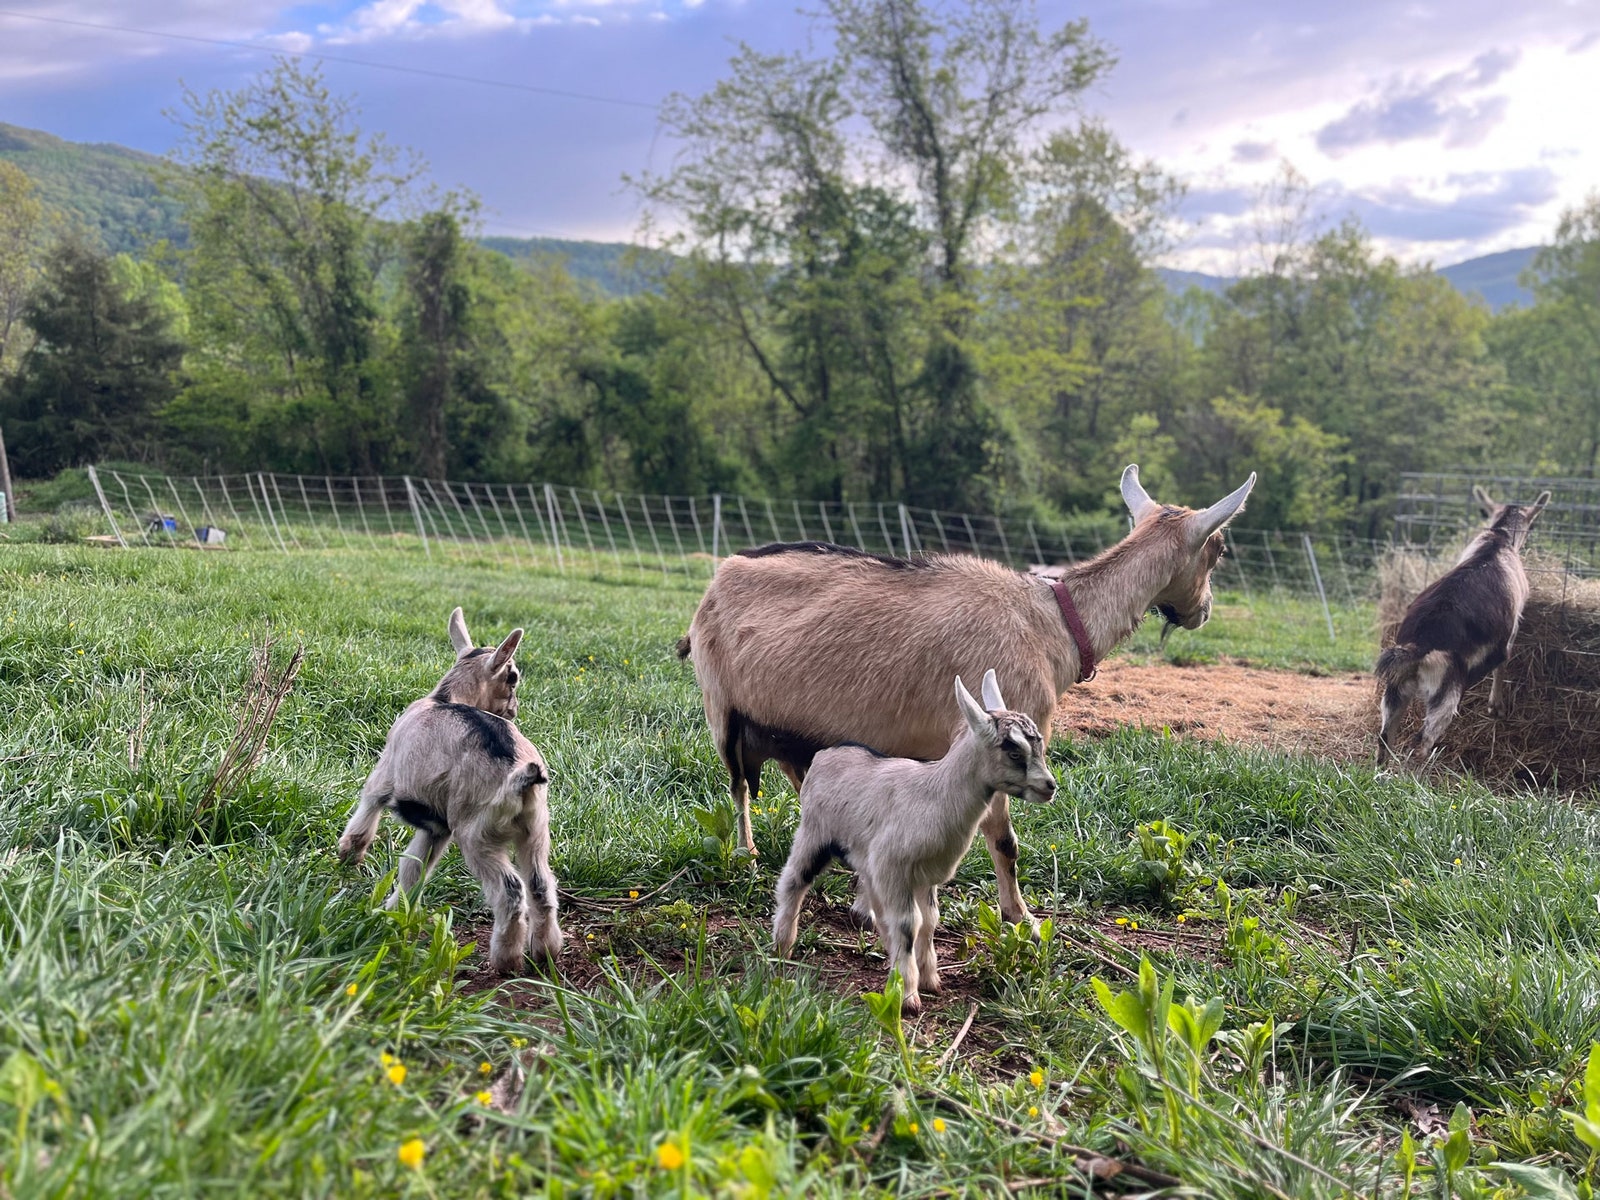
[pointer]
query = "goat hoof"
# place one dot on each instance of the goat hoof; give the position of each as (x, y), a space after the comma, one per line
(351, 852)
(911, 1005)
(931, 983)
(861, 920)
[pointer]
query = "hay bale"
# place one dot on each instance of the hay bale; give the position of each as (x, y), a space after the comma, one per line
(1552, 736)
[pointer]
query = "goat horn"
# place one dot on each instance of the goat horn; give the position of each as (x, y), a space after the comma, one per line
(1208, 521)
(1133, 493)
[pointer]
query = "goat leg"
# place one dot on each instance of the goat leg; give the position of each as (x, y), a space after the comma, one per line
(1001, 839)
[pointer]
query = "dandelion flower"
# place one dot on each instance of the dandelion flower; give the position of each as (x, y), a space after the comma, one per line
(397, 1074)
(386, 1058)
(938, 1125)
(912, 1127)
(1052, 845)
(1037, 1078)
(351, 990)
(669, 1156)
(633, 893)
(483, 1098)
(1133, 924)
(484, 1068)
(412, 1153)
(1182, 918)
(1458, 862)
(1033, 1110)
(1122, 920)
(589, 937)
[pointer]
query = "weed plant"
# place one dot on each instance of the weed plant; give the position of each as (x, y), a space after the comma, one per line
(1342, 984)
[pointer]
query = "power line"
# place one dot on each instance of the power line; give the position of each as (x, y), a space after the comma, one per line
(333, 58)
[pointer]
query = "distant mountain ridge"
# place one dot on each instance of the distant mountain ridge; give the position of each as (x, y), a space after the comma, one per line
(1492, 276)
(109, 190)
(116, 193)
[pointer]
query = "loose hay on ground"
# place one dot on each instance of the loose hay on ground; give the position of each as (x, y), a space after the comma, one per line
(1551, 738)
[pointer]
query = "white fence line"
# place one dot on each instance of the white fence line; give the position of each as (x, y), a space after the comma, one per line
(670, 538)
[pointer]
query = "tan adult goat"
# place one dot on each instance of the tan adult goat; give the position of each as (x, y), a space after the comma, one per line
(802, 646)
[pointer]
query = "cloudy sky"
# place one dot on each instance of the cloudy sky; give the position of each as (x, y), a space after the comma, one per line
(1451, 128)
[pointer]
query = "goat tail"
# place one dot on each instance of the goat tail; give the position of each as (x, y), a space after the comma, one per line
(528, 775)
(1397, 661)
(683, 646)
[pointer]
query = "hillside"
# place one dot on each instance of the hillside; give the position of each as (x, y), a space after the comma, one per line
(616, 268)
(109, 190)
(1492, 276)
(116, 192)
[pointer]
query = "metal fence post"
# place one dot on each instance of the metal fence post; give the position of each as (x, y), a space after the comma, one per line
(1311, 557)
(416, 511)
(716, 526)
(555, 529)
(905, 529)
(94, 478)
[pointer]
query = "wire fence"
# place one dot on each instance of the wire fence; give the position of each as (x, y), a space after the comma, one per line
(1433, 507)
(670, 540)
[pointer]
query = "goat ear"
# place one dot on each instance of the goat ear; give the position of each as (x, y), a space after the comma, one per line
(977, 720)
(459, 638)
(1538, 506)
(1208, 520)
(1485, 501)
(507, 648)
(992, 699)
(1133, 494)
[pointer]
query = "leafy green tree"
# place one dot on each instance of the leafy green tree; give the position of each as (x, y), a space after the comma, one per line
(1076, 343)
(1552, 351)
(857, 299)
(101, 367)
(1391, 361)
(286, 216)
(22, 217)
(1299, 467)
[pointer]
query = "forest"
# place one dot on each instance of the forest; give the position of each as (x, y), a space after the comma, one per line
(914, 267)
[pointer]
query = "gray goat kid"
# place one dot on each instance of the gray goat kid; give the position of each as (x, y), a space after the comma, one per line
(455, 767)
(904, 826)
(1460, 628)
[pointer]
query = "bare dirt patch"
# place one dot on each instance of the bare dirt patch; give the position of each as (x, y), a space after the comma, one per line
(1283, 710)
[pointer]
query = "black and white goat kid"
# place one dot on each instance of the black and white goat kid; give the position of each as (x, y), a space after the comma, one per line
(455, 767)
(904, 826)
(1460, 628)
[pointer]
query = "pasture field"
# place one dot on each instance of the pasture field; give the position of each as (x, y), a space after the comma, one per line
(1379, 985)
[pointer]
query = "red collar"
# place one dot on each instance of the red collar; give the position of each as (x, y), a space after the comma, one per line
(1080, 635)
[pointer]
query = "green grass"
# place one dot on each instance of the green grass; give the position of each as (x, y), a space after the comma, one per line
(174, 1007)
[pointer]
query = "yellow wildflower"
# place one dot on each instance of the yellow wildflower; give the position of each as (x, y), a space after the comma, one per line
(938, 1125)
(351, 990)
(633, 893)
(518, 1043)
(669, 1156)
(412, 1153)
(1458, 862)
(1182, 918)
(1122, 920)
(1037, 1078)
(397, 1074)
(386, 1058)
(1052, 845)
(484, 1068)
(912, 1127)
(483, 1098)
(1033, 1110)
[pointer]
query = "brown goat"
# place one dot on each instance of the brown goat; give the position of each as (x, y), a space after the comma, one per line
(1460, 628)
(798, 647)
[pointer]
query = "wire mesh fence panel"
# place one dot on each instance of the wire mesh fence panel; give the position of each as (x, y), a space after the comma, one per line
(665, 539)
(1437, 509)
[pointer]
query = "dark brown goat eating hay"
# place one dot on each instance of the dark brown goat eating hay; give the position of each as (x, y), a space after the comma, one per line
(1550, 735)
